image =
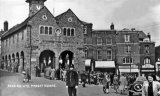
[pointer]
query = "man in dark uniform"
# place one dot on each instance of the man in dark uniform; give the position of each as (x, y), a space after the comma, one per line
(72, 81)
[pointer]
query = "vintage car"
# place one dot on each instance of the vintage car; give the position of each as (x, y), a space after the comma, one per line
(135, 89)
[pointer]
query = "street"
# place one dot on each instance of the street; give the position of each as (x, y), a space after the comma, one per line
(12, 85)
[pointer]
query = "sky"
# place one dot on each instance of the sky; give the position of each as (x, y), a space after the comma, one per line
(142, 15)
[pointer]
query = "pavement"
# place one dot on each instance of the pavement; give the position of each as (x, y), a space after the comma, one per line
(11, 84)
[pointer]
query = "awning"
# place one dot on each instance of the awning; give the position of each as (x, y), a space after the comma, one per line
(128, 70)
(104, 64)
(88, 62)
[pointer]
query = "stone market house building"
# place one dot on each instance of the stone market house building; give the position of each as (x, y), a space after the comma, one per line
(43, 40)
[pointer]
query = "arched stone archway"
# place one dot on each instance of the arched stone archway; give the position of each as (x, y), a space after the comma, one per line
(10, 63)
(13, 62)
(2, 63)
(22, 60)
(6, 63)
(67, 59)
(46, 59)
(17, 62)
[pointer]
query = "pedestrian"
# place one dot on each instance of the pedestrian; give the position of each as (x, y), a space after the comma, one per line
(64, 74)
(27, 76)
(52, 76)
(151, 87)
(95, 78)
(115, 83)
(72, 81)
(105, 83)
(83, 79)
(111, 78)
(123, 83)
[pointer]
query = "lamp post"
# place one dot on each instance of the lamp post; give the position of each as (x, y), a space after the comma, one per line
(130, 60)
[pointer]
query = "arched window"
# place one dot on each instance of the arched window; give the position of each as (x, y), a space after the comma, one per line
(86, 53)
(159, 59)
(68, 32)
(50, 30)
(64, 31)
(146, 48)
(41, 30)
(72, 32)
(46, 30)
(147, 61)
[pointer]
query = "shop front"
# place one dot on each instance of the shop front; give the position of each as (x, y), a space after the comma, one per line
(105, 66)
(130, 69)
(148, 69)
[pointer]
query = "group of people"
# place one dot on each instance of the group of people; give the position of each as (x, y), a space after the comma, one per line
(52, 73)
(118, 83)
(10, 67)
(151, 87)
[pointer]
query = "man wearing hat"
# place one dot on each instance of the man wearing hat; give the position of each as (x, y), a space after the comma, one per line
(72, 81)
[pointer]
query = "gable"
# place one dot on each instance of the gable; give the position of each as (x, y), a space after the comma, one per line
(44, 16)
(67, 16)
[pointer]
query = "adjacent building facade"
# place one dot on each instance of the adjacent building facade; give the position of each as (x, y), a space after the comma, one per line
(135, 52)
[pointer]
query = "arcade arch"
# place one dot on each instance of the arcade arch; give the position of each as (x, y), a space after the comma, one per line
(46, 59)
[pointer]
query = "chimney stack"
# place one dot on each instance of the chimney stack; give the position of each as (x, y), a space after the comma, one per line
(112, 26)
(6, 26)
(149, 36)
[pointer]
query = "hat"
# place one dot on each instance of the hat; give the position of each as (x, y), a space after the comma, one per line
(71, 66)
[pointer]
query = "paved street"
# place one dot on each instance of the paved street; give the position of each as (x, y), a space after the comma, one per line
(12, 85)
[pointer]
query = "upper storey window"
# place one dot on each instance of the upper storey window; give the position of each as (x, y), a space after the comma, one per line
(109, 41)
(127, 49)
(46, 30)
(146, 49)
(68, 31)
(99, 54)
(99, 41)
(126, 38)
(85, 30)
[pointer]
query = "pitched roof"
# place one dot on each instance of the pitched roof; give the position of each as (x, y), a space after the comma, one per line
(142, 34)
(19, 26)
(64, 13)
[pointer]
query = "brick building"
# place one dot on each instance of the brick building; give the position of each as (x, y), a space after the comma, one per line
(147, 56)
(44, 40)
(100, 49)
(131, 57)
(157, 58)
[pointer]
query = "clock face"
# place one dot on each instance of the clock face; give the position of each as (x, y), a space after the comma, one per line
(38, 7)
(58, 32)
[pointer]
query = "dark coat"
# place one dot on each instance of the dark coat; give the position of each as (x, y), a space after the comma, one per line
(83, 77)
(71, 78)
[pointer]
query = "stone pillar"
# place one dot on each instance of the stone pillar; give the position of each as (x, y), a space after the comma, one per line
(56, 63)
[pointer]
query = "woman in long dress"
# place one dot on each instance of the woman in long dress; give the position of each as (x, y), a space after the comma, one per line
(105, 83)
(123, 83)
(116, 83)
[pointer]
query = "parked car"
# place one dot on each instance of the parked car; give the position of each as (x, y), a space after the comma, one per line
(135, 89)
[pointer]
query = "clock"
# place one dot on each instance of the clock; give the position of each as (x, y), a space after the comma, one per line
(38, 7)
(58, 32)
